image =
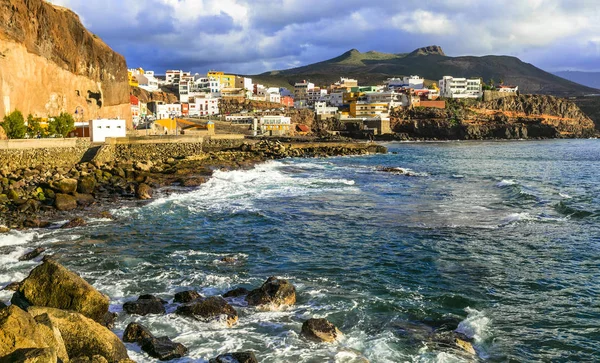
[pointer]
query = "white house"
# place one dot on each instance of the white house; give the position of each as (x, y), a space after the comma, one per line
(273, 125)
(174, 76)
(301, 89)
(168, 110)
(507, 89)
(147, 81)
(102, 128)
(451, 87)
(414, 82)
(273, 97)
(321, 109)
(393, 99)
(204, 105)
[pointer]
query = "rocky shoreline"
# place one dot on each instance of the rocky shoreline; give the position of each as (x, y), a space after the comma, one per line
(35, 196)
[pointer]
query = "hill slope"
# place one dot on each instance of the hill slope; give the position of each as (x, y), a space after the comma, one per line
(590, 79)
(430, 63)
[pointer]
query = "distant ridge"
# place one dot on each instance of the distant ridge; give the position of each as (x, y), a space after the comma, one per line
(431, 63)
(590, 79)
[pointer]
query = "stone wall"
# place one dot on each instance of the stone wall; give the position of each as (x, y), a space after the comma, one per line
(61, 154)
(495, 95)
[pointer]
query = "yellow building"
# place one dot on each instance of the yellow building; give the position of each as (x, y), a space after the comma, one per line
(131, 78)
(350, 97)
(226, 80)
(363, 109)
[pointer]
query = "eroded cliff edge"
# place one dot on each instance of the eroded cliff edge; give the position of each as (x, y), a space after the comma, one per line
(50, 63)
(519, 117)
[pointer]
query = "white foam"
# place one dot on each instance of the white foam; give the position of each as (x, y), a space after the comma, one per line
(476, 326)
(565, 195)
(14, 238)
(506, 182)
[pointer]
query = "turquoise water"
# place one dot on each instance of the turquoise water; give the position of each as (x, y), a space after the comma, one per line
(499, 239)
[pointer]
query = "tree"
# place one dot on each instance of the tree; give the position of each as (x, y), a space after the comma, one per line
(61, 124)
(492, 83)
(33, 127)
(14, 125)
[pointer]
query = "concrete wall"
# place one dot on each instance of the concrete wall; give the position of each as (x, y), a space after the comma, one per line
(23, 144)
(18, 154)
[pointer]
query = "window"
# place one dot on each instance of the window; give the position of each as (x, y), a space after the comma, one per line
(108, 127)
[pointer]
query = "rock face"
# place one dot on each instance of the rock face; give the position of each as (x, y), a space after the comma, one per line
(429, 50)
(239, 357)
(46, 48)
(320, 330)
(518, 117)
(145, 304)
(209, 309)
(52, 285)
(274, 292)
(145, 96)
(84, 337)
(65, 202)
(30, 355)
(32, 254)
(19, 330)
(186, 296)
(162, 348)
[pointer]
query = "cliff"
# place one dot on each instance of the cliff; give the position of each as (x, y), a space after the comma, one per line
(49, 63)
(145, 96)
(518, 117)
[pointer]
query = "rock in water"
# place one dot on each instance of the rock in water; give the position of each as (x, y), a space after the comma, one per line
(87, 185)
(19, 330)
(74, 223)
(145, 304)
(240, 291)
(32, 254)
(2, 305)
(84, 337)
(52, 285)
(320, 330)
(13, 286)
(136, 333)
(274, 292)
(31, 355)
(162, 348)
(65, 202)
(144, 192)
(212, 308)
(239, 357)
(186, 296)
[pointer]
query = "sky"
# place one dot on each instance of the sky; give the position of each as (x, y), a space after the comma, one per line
(255, 36)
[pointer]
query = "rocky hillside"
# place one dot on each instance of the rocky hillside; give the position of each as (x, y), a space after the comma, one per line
(49, 63)
(509, 118)
(145, 96)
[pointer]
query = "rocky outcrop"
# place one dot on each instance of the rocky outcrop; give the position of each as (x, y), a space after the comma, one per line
(52, 285)
(46, 48)
(320, 330)
(84, 337)
(274, 292)
(238, 357)
(429, 50)
(209, 309)
(518, 117)
(145, 96)
(30, 355)
(161, 348)
(145, 305)
(185, 297)
(32, 254)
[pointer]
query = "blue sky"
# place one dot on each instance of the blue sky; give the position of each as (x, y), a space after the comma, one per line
(254, 36)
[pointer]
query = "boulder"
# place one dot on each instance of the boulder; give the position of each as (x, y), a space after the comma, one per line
(136, 333)
(186, 296)
(18, 330)
(87, 185)
(46, 327)
(94, 359)
(31, 355)
(320, 330)
(84, 199)
(143, 191)
(2, 305)
(211, 308)
(32, 254)
(239, 357)
(4, 229)
(52, 285)
(66, 186)
(84, 337)
(35, 223)
(144, 305)
(274, 291)
(240, 291)
(13, 286)
(73, 223)
(228, 259)
(453, 340)
(65, 202)
(162, 348)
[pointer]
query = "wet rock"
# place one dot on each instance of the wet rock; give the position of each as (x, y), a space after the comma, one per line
(66, 186)
(144, 191)
(193, 182)
(186, 296)
(274, 291)
(18, 330)
(2, 305)
(75, 222)
(4, 229)
(32, 254)
(209, 309)
(31, 355)
(163, 348)
(35, 223)
(239, 357)
(320, 330)
(397, 171)
(84, 199)
(65, 202)
(84, 337)
(240, 291)
(144, 305)
(108, 320)
(136, 333)
(52, 285)
(453, 340)
(86, 185)
(228, 259)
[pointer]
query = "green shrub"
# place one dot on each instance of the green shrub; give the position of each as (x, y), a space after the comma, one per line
(14, 125)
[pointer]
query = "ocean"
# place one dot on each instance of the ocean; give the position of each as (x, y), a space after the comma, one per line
(499, 240)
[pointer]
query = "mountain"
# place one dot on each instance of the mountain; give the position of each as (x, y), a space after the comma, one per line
(432, 64)
(590, 79)
(50, 63)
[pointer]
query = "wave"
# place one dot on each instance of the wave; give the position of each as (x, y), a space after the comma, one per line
(506, 182)
(572, 212)
(14, 238)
